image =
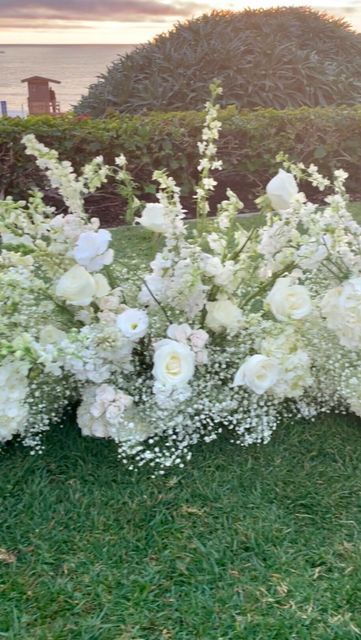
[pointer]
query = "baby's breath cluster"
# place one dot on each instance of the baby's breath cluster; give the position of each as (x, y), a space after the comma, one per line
(226, 331)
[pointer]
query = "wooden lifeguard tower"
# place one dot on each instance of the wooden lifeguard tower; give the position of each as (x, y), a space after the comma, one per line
(41, 97)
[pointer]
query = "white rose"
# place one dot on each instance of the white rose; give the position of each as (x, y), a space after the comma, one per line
(258, 372)
(133, 323)
(282, 190)
(76, 286)
(153, 218)
(91, 250)
(174, 363)
(223, 315)
(102, 287)
(289, 301)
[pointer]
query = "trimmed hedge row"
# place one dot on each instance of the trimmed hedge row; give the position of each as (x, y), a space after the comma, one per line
(330, 137)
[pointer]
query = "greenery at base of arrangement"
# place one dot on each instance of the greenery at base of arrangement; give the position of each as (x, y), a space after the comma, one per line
(281, 57)
(328, 137)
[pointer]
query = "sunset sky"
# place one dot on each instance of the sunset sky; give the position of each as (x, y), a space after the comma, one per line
(124, 21)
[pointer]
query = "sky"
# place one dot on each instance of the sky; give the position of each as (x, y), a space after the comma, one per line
(126, 21)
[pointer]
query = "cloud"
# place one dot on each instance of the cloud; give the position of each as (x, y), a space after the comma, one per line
(98, 10)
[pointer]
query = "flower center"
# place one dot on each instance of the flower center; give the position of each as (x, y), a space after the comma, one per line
(173, 366)
(134, 325)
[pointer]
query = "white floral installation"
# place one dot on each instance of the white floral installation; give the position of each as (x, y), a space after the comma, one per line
(229, 331)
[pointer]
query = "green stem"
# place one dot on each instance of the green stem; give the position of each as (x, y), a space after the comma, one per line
(267, 284)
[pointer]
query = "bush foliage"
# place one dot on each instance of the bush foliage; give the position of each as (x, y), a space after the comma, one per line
(281, 57)
(328, 137)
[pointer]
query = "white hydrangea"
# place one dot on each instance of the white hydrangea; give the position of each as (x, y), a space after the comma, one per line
(13, 391)
(341, 306)
(101, 412)
(293, 362)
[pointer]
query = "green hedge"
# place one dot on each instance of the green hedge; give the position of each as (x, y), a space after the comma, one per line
(329, 137)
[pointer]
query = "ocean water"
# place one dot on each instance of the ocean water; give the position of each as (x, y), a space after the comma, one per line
(76, 66)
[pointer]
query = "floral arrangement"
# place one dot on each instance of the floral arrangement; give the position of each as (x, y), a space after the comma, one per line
(227, 330)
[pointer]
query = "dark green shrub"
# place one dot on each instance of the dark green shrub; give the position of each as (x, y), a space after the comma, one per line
(330, 137)
(281, 58)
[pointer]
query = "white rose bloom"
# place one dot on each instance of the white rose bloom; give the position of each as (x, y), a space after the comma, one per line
(289, 301)
(133, 323)
(91, 250)
(258, 372)
(282, 190)
(341, 306)
(153, 218)
(76, 286)
(223, 315)
(174, 363)
(102, 287)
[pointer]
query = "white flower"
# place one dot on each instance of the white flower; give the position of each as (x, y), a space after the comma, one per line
(101, 413)
(13, 391)
(179, 332)
(211, 265)
(341, 307)
(223, 315)
(174, 363)
(76, 286)
(102, 287)
(133, 323)
(51, 335)
(198, 339)
(258, 372)
(91, 250)
(153, 288)
(289, 301)
(153, 218)
(282, 190)
(310, 256)
(294, 375)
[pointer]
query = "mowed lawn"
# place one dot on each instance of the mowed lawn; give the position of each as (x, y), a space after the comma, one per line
(260, 543)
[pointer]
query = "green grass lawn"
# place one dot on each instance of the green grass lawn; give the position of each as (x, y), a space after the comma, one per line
(261, 543)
